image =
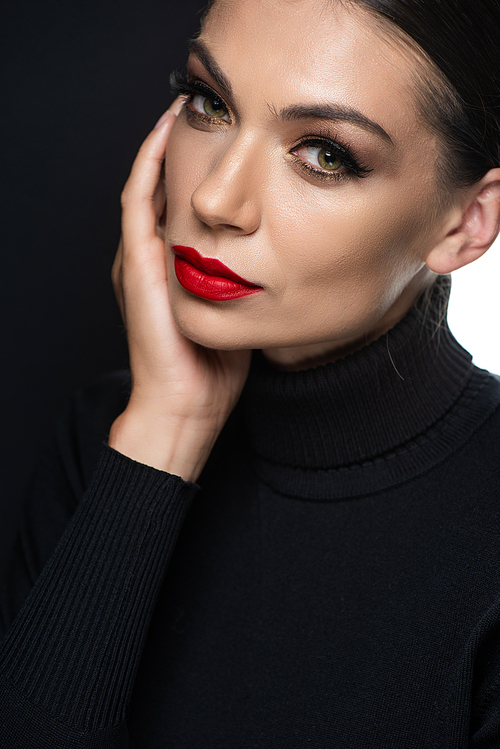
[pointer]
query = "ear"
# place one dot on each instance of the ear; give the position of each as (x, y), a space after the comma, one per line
(473, 227)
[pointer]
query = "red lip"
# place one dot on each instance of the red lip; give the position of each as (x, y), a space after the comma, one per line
(209, 278)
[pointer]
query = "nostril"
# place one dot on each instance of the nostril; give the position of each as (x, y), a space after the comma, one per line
(227, 205)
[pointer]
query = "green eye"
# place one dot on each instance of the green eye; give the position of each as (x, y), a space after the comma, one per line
(321, 157)
(214, 107)
(328, 160)
(211, 106)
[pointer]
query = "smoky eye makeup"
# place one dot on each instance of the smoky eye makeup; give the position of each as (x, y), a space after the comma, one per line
(199, 96)
(318, 155)
(323, 157)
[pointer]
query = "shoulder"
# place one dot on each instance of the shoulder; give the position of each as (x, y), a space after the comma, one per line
(485, 397)
(473, 425)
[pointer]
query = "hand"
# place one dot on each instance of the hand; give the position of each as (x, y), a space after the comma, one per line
(182, 393)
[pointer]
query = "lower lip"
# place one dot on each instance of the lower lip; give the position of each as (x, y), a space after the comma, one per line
(215, 288)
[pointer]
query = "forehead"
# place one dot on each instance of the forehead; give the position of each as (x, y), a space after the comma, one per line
(322, 49)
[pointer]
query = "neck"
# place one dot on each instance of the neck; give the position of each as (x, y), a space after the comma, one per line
(307, 356)
(369, 420)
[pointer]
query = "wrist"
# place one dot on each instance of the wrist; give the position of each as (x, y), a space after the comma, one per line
(176, 446)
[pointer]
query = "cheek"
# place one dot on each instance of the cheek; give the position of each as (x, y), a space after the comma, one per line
(350, 241)
(346, 263)
(185, 167)
(351, 248)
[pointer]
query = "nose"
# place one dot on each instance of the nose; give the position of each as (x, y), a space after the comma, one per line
(228, 197)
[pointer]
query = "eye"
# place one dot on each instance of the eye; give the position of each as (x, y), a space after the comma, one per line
(210, 106)
(321, 156)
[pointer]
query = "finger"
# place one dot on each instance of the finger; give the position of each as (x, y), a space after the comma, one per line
(175, 107)
(160, 203)
(139, 217)
(159, 194)
(116, 278)
(177, 104)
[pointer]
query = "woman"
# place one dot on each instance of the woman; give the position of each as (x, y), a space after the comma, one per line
(334, 579)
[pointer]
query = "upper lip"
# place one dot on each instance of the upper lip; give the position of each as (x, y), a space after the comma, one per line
(209, 265)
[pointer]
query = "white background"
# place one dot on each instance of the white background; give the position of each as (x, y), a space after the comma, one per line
(474, 312)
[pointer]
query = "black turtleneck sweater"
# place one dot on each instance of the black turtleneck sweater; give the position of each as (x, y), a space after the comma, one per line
(334, 582)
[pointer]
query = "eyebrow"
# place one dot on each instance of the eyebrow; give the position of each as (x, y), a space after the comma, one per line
(200, 49)
(295, 112)
(336, 112)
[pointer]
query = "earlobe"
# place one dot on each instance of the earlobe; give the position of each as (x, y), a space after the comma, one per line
(474, 229)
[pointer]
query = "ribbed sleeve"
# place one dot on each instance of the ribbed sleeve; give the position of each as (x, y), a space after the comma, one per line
(73, 650)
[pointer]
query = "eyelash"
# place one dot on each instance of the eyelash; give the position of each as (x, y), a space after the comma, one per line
(342, 151)
(182, 86)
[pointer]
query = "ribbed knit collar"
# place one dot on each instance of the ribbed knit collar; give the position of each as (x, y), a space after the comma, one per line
(361, 410)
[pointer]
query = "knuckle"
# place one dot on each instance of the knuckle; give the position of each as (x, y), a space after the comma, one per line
(115, 275)
(117, 271)
(125, 196)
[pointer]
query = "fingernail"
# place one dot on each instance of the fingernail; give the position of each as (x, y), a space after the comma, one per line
(162, 119)
(177, 105)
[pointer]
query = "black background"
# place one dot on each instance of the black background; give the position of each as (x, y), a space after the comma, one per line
(82, 85)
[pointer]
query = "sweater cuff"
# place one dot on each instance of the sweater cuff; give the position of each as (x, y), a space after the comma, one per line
(75, 646)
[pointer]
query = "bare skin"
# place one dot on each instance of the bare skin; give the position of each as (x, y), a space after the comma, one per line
(182, 393)
(340, 258)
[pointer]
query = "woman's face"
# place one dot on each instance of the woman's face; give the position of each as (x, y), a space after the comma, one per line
(301, 163)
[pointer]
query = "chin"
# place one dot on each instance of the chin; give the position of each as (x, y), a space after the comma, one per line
(201, 322)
